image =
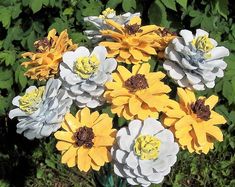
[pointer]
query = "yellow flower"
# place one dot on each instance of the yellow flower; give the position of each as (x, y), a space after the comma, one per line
(86, 140)
(132, 43)
(193, 121)
(45, 61)
(137, 94)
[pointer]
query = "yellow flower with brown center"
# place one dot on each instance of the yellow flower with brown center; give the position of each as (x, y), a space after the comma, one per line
(137, 94)
(86, 140)
(193, 121)
(134, 44)
(45, 61)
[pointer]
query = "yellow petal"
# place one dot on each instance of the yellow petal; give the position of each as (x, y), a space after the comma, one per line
(135, 20)
(191, 95)
(103, 141)
(184, 121)
(214, 132)
(136, 54)
(124, 54)
(96, 156)
(124, 73)
(111, 45)
(200, 133)
(84, 117)
(184, 99)
(72, 152)
(83, 159)
(72, 122)
(62, 146)
(95, 166)
(216, 119)
(212, 101)
(144, 69)
(134, 105)
(72, 161)
(65, 136)
(120, 100)
(115, 25)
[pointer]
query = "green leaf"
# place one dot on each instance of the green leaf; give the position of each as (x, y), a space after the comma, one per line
(36, 5)
(8, 57)
(182, 3)
(113, 3)
(222, 8)
(228, 92)
(5, 16)
(169, 4)
(6, 78)
(129, 5)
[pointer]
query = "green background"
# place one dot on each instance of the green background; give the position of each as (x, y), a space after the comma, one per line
(37, 163)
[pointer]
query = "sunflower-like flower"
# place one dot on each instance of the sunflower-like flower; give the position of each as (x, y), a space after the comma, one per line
(137, 94)
(195, 60)
(100, 24)
(132, 43)
(45, 61)
(144, 152)
(86, 140)
(193, 121)
(84, 75)
(41, 110)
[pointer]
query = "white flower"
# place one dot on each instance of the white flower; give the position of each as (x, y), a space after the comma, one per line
(195, 60)
(100, 24)
(84, 75)
(144, 152)
(40, 111)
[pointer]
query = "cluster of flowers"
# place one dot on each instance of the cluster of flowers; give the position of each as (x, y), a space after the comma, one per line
(144, 151)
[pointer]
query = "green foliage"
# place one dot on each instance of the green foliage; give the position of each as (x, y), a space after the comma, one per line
(23, 22)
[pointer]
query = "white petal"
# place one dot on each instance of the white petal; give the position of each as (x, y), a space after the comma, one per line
(217, 63)
(88, 86)
(167, 148)
(193, 78)
(47, 130)
(82, 52)
(218, 52)
(135, 127)
(178, 44)
(93, 103)
(100, 52)
(200, 32)
(213, 42)
(31, 88)
(160, 165)
(84, 98)
(165, 136)
(187, 65)
(128, 172)
(208, 75)
(187, 36)
(109, 65)
(76, 89)
(16, 113)
(132, 181)
(118, 170)
(125, 142)
(143, 181)
(69, 58)
(132, 160)
(173, 55)
(72, 79)
(172, 159)
(123, 132)
(199, 86)
(151, 127)
(218, 72)
(210, 84)
(183, 82)
(97, 92)
(15, 101)
(174, 70)
(156, 178)
(120, 155)
(146, 167)
(100, 78)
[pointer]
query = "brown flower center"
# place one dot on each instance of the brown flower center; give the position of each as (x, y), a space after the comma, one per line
(43, 44)
(84, 136)
(165, 32)
(132, 29)
(136, 82)
(201, 110)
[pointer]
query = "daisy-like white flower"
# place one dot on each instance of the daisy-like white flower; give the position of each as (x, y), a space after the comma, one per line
(138, 94)
(45, 61)
(40, 111)
(195, 60)
(144, 152)
(84, 75)
(133, 43)
(86, 140)
(193, 122)
(100, 24)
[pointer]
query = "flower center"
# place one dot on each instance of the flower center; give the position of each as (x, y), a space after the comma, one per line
(43, 44)
(201, 110)
(86, 66)
(132, 29)
(84, 136)
(107, 13)
(29, 103)
(147, 147)
(203, 43)
(136, 82)
(164, 32)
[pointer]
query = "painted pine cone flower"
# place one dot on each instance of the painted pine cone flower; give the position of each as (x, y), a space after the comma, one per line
(144, 152)
(195, 60)
(45, 61)
(40, 111)
(86, 140)
(84, 75)
(132, 43)
(193, 121)
(100, 24)
(137, 94)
